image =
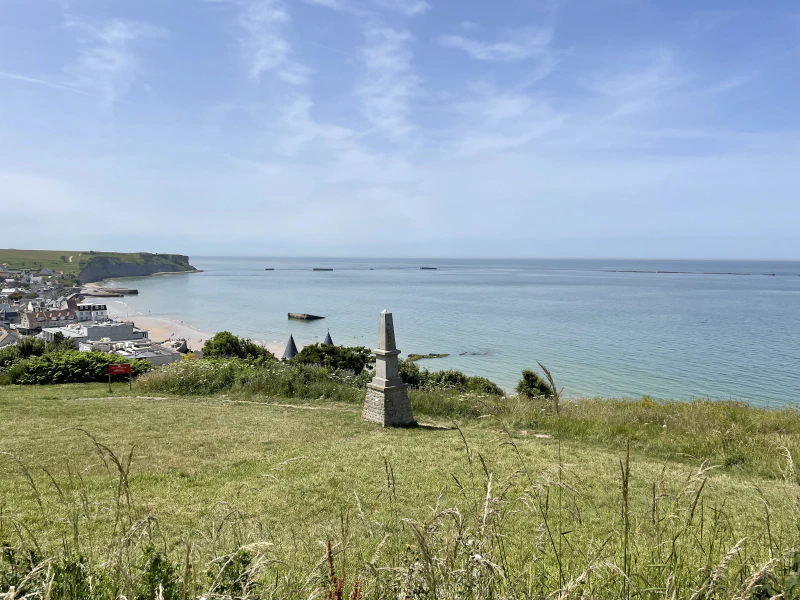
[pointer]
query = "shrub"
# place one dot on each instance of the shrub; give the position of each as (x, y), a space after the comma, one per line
(226, 345)
(207, 376)
(60, 343)
(30, 346)
(533, 386)
(267, 379)
(69, 366)
(451, 380)
(9, 355)
(335, 357)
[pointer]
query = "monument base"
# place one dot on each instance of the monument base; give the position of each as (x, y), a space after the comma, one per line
(388, 406)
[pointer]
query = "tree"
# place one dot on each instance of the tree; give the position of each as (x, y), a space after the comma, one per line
(533, 386)
(60, 342)
(226, 345)
(335, 357)
(30, 346)
(15, 296)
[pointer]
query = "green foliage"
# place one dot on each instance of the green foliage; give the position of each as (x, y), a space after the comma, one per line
(533, 386)
(8, 356)
(159, 577)
(451, 380)
(15, 296)
(335, 357)
(226, 345)
(31, 295)
(30, 346)
(68, 366)
(60, 343)
(234, 577)
(287, 380)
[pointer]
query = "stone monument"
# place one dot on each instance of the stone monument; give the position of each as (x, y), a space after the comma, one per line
(387, 400)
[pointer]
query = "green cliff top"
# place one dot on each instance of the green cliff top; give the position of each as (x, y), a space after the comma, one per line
(72, 262)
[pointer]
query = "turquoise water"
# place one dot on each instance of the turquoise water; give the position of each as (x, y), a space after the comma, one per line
(611, 334)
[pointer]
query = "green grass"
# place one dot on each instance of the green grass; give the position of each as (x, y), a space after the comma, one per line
(514, 508)
(39, 259)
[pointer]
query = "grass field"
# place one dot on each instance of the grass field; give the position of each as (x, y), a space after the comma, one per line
(39, 259)
(74, 262)
(239, 496)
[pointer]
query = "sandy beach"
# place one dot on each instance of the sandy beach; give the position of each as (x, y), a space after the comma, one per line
(162, 328)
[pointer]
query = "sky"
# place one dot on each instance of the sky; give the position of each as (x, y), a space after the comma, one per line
(447, 128)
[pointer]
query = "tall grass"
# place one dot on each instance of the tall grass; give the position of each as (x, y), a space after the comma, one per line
(735, 435)
(503, 538)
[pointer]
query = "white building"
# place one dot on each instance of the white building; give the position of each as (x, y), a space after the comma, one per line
(155, 354)
(91, 312)
(100, 334)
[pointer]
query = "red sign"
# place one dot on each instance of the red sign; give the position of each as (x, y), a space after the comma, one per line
(119, 369)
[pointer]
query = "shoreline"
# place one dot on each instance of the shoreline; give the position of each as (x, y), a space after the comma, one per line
(162, 328)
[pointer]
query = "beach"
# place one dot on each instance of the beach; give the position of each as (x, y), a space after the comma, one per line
(162, 328)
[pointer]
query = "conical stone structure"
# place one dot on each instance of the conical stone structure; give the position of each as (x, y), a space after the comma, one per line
(328, 341)
(291, 349)
(387, 400)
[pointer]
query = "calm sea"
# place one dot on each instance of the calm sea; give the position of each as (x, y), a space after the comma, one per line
(710, 329)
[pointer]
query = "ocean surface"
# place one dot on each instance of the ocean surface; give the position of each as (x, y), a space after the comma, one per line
(674, 329)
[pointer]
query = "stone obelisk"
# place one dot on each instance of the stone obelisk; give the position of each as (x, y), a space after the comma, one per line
(387, 396)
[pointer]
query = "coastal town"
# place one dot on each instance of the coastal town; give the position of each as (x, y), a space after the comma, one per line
(50, 306)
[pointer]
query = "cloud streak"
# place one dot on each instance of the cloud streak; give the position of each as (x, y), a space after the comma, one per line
(389, 82)
(43, 82)
(107, 64)
(409, 8)
(263, 42)
(519, 44)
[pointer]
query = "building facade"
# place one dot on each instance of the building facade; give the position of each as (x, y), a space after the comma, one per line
(36, 320)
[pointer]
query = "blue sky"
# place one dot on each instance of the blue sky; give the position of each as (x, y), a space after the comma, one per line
(402, 127)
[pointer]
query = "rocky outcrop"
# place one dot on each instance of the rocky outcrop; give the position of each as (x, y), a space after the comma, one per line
(99, 267)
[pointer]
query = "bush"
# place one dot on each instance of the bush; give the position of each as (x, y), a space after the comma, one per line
(30, 346)
(69, 366)
(335, 357)
(267, 379)
(9, 355)
(533, 386)
(60, 343)
(226, 345)
(451, 380)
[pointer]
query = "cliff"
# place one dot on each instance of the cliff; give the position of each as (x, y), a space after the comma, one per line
(96, 267)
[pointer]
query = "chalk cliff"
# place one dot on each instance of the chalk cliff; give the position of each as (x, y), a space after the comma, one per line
(104, 266)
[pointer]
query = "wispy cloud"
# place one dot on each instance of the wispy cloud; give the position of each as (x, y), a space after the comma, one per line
(334, 4)
(263, 24)
(492, 120)
(635, 88)
(409, 8)
(43, 82)
(107, 63)
(389, 82)
(519, 44)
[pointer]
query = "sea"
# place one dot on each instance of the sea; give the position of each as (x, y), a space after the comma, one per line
(670, 329)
